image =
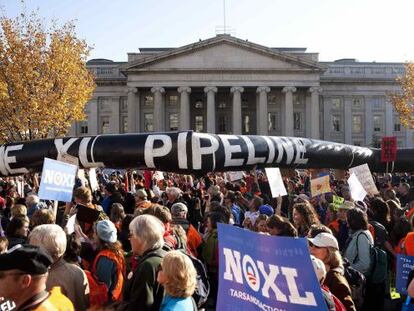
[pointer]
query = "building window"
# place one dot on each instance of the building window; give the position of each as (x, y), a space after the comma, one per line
(357, 143)
(272, 99)
(246, 124)
(148, 100)
(105, 128)
(397, 124)
(173, 121)
(172, 100)
(83, 125)
(272, 121)
(336, 123)
(336, 104)
(222, 105)
(377, 103)
(297, 99)
(124, 124)
(356, 124)
(377, 123)
(148, 122)
(104, 103)
(199, 123)
(124, 104)
(245, 104)
(222, 124)
(357, 103)
(297, 121)
(199, 104)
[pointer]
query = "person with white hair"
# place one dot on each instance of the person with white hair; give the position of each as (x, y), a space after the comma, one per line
(142, 290)
(69, 277)
(173, 195)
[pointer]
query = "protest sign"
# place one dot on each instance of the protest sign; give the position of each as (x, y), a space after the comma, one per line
(58, 179)
(320, 185)
(356, 189)
(337, 202)
(93, 181)
(363, 174)
(157, 175)
(261, 272)
(70, 225)
(274, 177)
(389, 149)
(404, 266)
(233, 176)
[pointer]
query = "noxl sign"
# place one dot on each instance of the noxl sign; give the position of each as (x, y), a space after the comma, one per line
(259, 272)
(58, 179)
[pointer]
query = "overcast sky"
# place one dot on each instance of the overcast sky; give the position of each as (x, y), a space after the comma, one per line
(368, 30)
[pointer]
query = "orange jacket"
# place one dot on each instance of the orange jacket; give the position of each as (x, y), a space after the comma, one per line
(120, 271)
(193, 240)
(407, 247)
(56, 301)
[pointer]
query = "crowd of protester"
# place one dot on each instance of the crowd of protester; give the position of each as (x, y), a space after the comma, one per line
(148, 242)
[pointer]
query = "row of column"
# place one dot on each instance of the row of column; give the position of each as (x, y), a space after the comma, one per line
(262, 127)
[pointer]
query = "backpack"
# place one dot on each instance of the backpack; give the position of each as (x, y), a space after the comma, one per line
(357, 283)
(98, 291)
(377, 273)
(339, 306)
(202, 284)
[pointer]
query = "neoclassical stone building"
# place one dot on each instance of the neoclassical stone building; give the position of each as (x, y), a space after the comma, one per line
(228, 85)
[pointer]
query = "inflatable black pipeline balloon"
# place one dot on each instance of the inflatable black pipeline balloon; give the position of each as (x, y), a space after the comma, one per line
(196, 153)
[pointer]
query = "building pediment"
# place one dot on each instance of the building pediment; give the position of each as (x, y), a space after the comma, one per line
(222, 53)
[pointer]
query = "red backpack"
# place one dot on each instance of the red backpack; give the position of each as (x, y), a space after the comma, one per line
(98, 291)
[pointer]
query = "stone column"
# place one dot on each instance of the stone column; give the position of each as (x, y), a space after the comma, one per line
(93, 117)
(389, 119)
(288, 130)
(115, 116)
(368, 126)
(408, 137)
(237, 109)
(348, 119)
(159, 109)
(184, 107)
(263, 124)
(133, 110)
(327, 119)
(211, 108)
(314, 111)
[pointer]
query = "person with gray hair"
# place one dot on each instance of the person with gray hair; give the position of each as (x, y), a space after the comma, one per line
(141, 290)
(173, 195)
(33, 204)
(69, 277)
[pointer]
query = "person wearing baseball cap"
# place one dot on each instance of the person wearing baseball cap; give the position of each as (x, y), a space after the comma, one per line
(109, 265)
(23, 275)
(324, 246)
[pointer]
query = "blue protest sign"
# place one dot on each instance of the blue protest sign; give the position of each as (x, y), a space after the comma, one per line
(261, 272)
(58, 179)
(404, 265)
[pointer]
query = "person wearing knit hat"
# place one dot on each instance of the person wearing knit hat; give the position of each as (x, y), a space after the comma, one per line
(23, 274)
(109, 265)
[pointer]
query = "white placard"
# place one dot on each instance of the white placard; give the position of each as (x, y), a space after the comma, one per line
(358, 192)
(364, 176)
(93, 182)
(233, 176)
(157, 175)
(70, 225)
(276, 184)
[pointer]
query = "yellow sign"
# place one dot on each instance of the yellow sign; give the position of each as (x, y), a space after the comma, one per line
(320, 185)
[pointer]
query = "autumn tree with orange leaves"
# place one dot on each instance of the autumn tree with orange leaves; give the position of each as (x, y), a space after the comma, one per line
(404, 102)
(44, 82)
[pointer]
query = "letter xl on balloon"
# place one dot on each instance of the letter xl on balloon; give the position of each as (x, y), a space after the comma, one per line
(260, 272)
(58, 179)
